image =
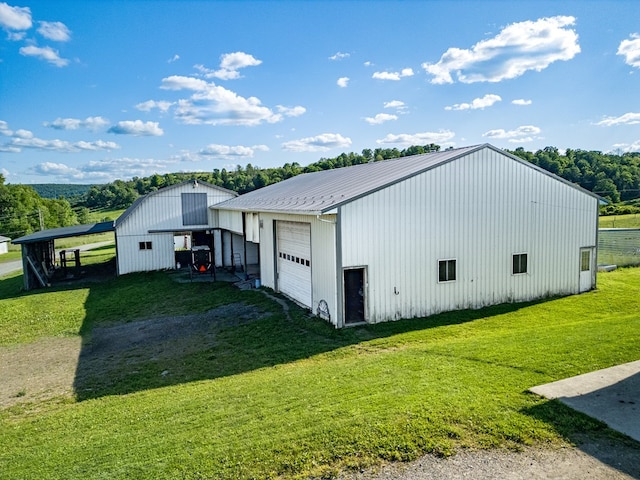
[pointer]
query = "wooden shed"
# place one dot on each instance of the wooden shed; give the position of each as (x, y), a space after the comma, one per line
(414, 236)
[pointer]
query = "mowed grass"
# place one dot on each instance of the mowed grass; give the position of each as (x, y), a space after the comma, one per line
(295, 398)
(620, 221)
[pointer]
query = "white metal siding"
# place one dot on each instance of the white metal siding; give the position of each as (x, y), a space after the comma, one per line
(131, 259)
(480, 210)
(230, 220)
(160, 211)
(4, 247)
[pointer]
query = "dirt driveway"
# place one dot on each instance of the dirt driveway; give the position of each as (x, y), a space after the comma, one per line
(50, 368)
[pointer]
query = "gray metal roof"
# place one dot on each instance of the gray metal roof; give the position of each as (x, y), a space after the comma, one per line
(4, 239)
(139, 200)
(319, 192)
(65, 232)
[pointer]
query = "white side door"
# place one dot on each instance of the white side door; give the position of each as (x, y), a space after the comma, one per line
(587, 268)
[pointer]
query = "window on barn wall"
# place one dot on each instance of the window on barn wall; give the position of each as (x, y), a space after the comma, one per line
(145, 245)
(194, 209)
(519, 263)
(585, 261)
(446, 270)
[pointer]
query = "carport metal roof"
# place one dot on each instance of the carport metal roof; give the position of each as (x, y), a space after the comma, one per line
(65, 232)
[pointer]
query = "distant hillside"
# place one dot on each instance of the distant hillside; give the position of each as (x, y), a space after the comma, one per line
(56, 190)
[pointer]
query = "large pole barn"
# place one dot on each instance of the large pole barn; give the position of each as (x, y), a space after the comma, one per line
(415, 236)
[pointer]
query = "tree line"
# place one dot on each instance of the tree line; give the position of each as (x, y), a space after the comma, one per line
(23, 211)
(615, 177)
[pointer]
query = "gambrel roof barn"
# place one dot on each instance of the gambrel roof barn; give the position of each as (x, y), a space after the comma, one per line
(146, 232)
(414, 236)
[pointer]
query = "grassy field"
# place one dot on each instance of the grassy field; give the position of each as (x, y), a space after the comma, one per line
(620, 221)
(293, 398)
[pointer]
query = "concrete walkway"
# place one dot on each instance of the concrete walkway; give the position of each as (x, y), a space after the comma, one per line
(611, 395)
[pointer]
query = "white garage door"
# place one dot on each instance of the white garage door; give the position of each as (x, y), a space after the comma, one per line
(294, 260)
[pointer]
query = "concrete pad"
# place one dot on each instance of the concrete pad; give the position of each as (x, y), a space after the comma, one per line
(611, 395)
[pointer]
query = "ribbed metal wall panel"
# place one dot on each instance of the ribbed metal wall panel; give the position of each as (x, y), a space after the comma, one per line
(323, 256)
(163, 210)
(160, 211)
(230, 220)
(480, 210)
(131, 259)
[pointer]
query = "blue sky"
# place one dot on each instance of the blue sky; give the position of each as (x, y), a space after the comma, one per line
(101, 90)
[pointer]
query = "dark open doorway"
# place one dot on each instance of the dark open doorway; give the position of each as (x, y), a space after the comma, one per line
(354, 296)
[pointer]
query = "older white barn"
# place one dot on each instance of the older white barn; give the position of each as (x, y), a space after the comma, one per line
(414, 236)
(149, 231)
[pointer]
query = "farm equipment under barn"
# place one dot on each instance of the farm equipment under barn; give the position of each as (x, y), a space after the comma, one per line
(201, 262)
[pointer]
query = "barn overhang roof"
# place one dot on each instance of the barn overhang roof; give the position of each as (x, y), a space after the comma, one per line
(66, 232)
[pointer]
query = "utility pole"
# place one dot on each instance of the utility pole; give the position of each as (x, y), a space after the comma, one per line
(41, 219)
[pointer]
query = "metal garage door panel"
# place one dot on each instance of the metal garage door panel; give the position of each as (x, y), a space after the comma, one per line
(294, 260)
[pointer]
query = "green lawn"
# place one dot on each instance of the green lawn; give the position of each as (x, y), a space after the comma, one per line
(620, 221)
(295, 398)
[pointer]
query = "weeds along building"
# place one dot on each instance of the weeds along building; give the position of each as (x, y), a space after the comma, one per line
(171, 219)
(414, 236)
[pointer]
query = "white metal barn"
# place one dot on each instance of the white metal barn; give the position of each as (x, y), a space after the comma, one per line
(146, 232)
(4, 244)
(414, 236)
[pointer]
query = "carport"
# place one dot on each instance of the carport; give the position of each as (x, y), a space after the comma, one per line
(38, 251)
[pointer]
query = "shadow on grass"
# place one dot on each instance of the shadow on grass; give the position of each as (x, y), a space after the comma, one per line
(155, 344)
(590, 436)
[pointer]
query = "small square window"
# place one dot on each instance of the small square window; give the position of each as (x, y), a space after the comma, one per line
(144, 245)
(519, 264)
(446, 270)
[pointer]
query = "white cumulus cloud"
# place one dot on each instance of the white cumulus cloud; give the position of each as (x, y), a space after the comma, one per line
(14, 18)
(343, 82)
(630, 118)
(524, 133)
(630, 49)
(137, 128)
(518, 48)
(423, 138)
(628, 147)
(291, 111)
(406, 72)
(212, 104)
(179, 82)
(380, 118)
(62, 146)
(339, 56)
(319, 143)
(4, 129)
(149, 105)
(394, 104)
(56, 31)
(477, 103)
(91, 123)
(44, 53)
(521, 102)
(230, 64)
(229, 151)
